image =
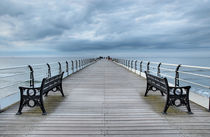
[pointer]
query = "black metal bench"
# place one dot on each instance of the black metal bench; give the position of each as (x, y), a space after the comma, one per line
(32, 97)
(176, 96)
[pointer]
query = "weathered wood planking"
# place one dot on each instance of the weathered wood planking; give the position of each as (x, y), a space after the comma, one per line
(105, 99)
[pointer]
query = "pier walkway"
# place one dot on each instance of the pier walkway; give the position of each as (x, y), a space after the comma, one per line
(105, 99)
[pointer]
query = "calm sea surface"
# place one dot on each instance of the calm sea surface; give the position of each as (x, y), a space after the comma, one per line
(18, 61)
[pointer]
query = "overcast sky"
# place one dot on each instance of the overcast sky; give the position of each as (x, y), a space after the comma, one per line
(104, 27)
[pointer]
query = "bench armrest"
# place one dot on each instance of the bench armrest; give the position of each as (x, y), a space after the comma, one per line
(180, 90)
(185, 87)
(28, 88)
(29, 91)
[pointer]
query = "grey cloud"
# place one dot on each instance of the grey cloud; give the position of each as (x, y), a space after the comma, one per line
(104, 25)
(9, 8)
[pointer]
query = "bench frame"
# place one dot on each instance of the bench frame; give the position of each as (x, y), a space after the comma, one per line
(175, 96)
(31, 97)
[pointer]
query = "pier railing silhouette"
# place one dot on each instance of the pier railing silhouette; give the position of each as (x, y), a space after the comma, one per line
(32, 75)
(197, 76)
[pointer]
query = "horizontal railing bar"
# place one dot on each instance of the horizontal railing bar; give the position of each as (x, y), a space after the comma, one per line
(152, 67)
(169, 64)
(194, 83)
(15, 75)
(154, 62)
(188, 66)
(12, 84)
(172, 70)
(14, 67)
(43, 64)
(152, 71)
(167, 75)
(142, 61)
(195, 74)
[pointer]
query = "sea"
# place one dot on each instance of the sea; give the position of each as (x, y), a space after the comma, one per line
(14, 71)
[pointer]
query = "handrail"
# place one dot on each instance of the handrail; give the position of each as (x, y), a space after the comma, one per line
(14, 67)
(31, 69)
(170, 64)
(176, 69)
(168, 69)
(195, 74)
(167, 75)
(201, 85)
(199, 67)
(14, 75)
(12, 84)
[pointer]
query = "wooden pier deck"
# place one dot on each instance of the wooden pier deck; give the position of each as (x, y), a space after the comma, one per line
(105, 99)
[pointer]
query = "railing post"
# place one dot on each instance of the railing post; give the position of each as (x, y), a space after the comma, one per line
(140, 69)
(177, 75)
(31, 76)
(76, 66)
(209, 104)
(49, 70)
(59, 64)
(148, 66)
(135, 65)
(67, 68)
(86, 62)
(82, 63)
(131, 64)
(158, 70)
(79, 64)
(72, 66)
(128, 64)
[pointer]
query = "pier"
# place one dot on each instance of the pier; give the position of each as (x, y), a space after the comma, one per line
(105, 99)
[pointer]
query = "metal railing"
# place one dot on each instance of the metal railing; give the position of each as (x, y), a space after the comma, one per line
(178, 75)
(31, 75)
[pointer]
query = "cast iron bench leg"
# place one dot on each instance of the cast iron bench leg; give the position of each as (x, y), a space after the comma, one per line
(161, 93)
(61, 89)
(21, 103)
(188, 106)
(147, 90)
(166, 106)
(42, 106)
(20, 107)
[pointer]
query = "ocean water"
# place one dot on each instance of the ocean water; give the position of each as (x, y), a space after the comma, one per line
(19, 61)
(11, 79)
(194, 61)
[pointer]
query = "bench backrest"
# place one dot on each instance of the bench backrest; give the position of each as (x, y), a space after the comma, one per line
(159, 82)
(50, 83)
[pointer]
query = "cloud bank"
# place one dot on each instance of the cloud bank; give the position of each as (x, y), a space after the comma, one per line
(103, 26)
